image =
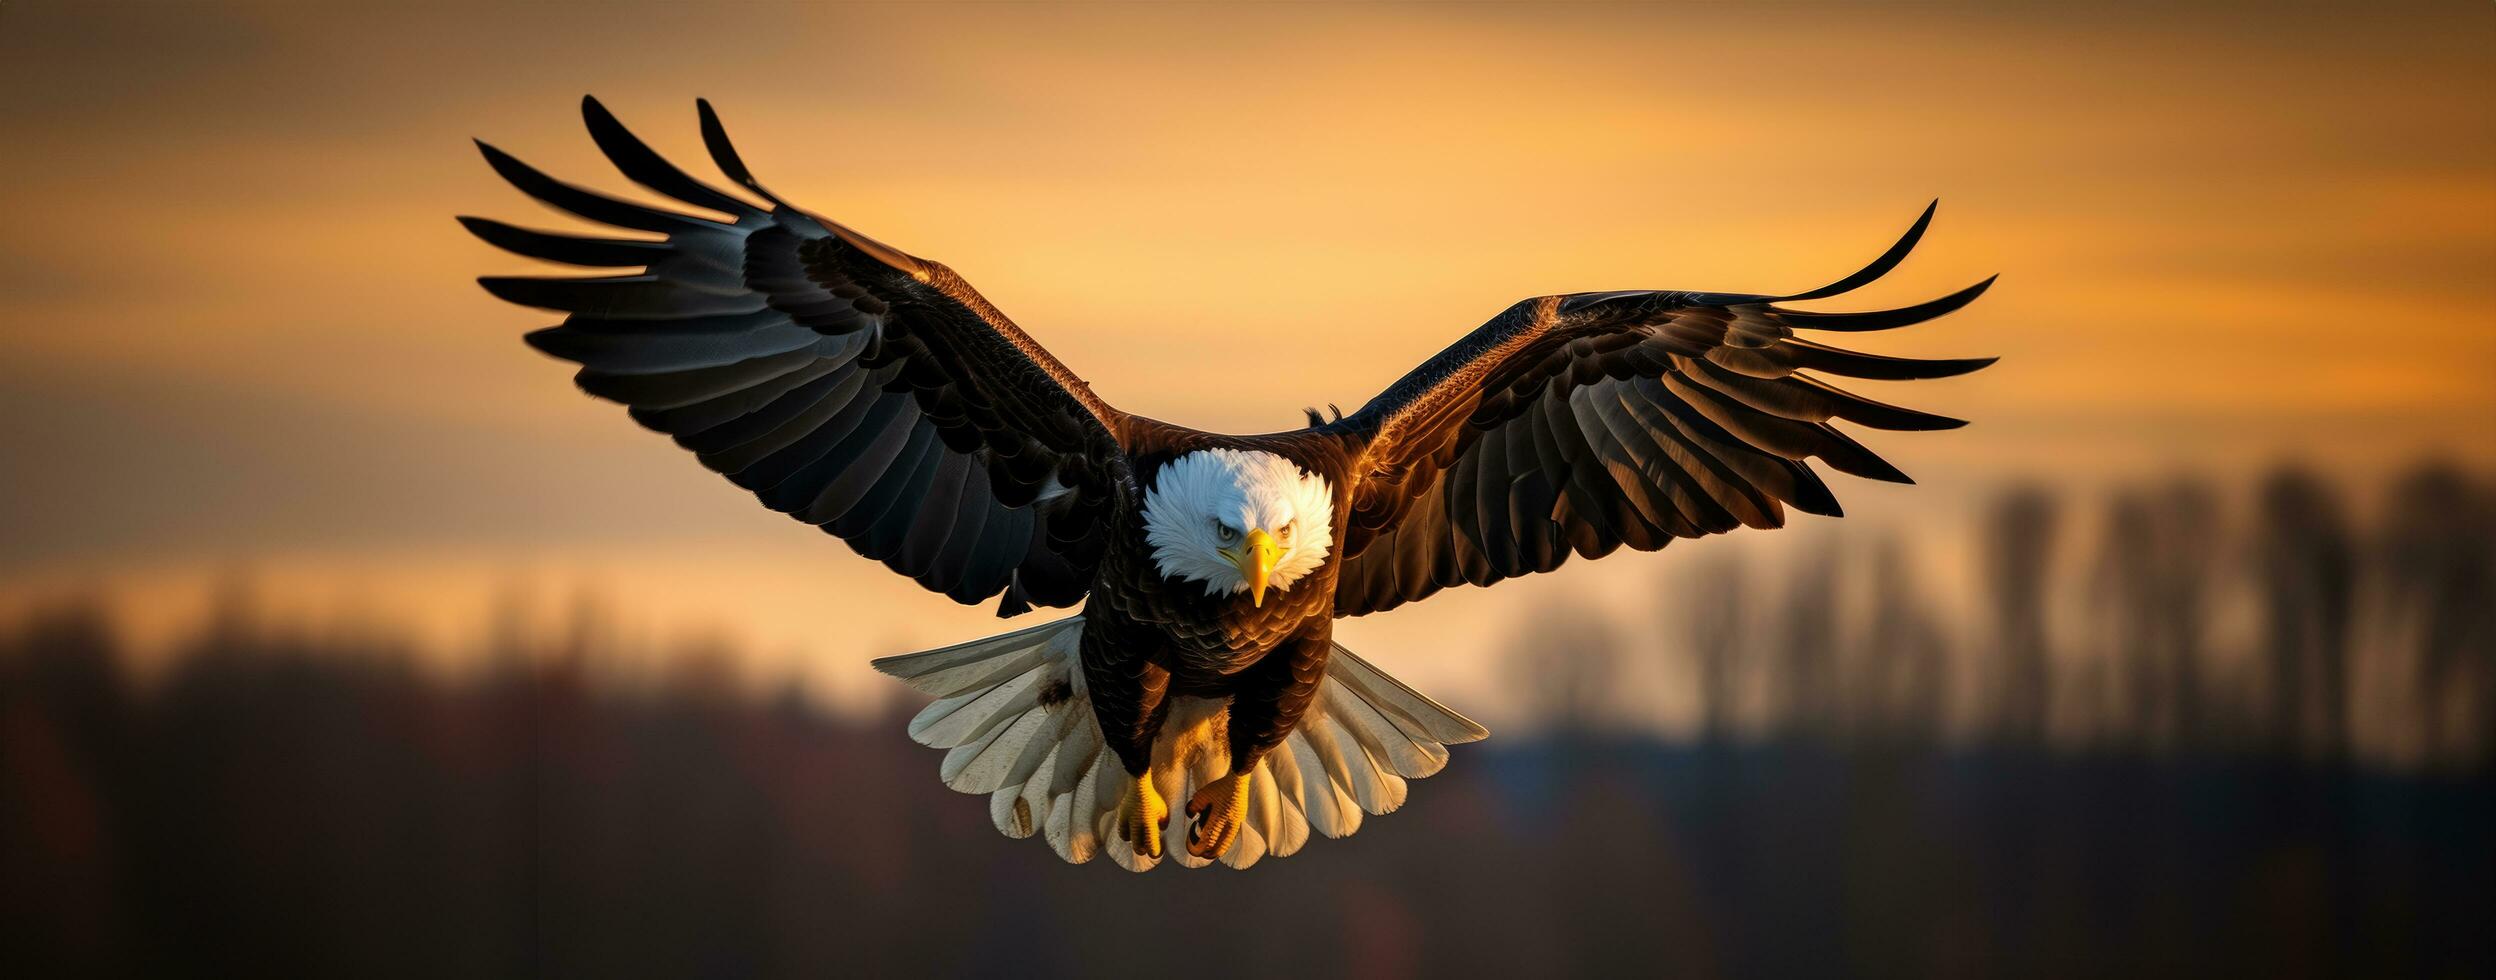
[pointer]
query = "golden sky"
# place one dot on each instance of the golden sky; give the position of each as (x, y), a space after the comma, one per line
(237, 327)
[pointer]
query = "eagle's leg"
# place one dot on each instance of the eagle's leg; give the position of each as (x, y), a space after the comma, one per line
(1127, 691)
(1215, 813)
(1141, 814)
(1266, 705)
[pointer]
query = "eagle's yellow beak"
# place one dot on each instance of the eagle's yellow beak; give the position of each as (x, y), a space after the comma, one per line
(1256, 563)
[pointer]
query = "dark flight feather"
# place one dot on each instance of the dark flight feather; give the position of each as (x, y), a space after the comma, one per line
(1595, 421)
(841, 380)
(567, 249)
(644, 166)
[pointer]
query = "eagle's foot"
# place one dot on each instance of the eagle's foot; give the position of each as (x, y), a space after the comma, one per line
(1215, 814)
(1141, 814)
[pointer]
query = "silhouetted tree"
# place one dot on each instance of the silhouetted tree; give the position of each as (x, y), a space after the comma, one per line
(2153, 576)
(2439, 556)
(507, 640)
(2018, 547)
(69, 733)
(2127, 553)
(1804, 664)
(1900, 687)
(1717, 616)
(2304, 569)
(233, 627)
(1567, 666)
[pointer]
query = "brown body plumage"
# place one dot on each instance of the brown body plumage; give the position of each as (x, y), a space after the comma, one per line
(1145, 639)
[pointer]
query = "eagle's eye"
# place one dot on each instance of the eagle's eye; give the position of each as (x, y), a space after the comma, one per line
(1225, 532)
(1283, 536)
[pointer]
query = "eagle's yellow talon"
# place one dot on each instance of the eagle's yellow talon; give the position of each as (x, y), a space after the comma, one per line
(1141, 814)
(1222, 806)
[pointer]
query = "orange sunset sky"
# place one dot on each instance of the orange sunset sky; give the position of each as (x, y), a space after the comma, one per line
(239, 334)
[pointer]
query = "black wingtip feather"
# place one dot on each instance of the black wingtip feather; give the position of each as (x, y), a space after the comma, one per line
(519, 290)
(1823, 505)
(1952, 367)
(548, 341)
(724, 154)
(585, 203)
(1880, 266)
(494, 155)
(568, 249)
(644, 166)
(1865, 463)
(1887, 319)
(1877, 367)
(1891, 418)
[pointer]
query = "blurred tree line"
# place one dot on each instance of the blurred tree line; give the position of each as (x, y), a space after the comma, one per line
(2160, 619)
(283, 803)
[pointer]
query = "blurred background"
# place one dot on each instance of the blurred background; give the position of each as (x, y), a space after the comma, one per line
(340, 635)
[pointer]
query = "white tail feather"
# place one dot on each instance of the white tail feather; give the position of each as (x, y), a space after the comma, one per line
(1012, 713)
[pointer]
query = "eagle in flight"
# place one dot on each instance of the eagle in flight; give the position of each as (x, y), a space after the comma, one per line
(876, 395)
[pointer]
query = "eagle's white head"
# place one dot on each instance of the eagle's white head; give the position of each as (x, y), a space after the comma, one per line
(1238, 521)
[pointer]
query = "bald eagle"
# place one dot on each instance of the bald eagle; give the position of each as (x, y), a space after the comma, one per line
(876, 395)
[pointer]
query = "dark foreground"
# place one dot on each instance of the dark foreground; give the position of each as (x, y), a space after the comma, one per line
(271, 812)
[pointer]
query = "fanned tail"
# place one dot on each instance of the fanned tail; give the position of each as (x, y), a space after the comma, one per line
(1012, 713)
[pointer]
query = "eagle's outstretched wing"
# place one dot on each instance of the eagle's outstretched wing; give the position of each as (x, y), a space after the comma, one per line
(846, 383)
(1588, 422)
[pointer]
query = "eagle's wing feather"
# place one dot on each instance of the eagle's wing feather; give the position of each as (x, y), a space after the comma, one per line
(842, 381)
(1580, 424)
